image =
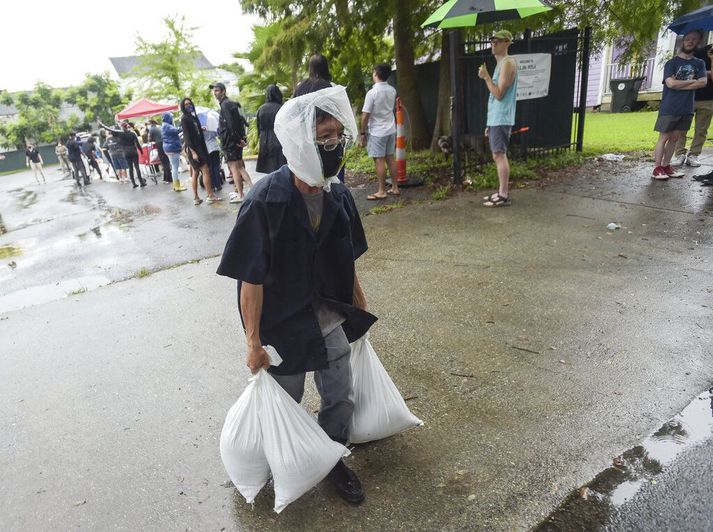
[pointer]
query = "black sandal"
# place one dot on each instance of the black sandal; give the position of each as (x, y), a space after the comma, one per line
(496, 200)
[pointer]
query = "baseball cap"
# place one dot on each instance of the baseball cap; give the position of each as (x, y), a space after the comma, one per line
(218, 85)
(505, 35)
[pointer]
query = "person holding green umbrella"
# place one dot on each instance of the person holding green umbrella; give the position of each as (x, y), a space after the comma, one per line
(501, 112)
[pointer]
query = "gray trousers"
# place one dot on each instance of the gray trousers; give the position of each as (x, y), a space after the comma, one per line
(334, 384)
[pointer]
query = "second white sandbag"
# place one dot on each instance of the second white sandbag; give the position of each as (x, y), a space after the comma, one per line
(379, 409)
(241, 445)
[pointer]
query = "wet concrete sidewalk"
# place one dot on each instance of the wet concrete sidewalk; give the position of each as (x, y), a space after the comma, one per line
(535, 344)
(57, 239)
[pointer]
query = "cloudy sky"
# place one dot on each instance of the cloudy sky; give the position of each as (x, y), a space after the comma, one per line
(59, 41)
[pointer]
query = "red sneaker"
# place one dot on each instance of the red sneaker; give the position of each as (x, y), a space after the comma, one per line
(671, 172)
(660, 173)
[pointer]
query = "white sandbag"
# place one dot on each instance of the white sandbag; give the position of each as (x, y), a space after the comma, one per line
(241, 445)
(379, 409)
(298, 450)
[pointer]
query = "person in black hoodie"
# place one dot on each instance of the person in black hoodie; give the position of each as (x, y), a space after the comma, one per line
(270, 157)
(196, 150)
(74, 154)
(130, 144)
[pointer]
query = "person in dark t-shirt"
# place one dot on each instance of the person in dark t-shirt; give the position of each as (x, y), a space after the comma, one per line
(682, 75)
(34, 159)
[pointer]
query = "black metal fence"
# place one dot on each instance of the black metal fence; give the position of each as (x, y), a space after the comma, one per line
(544, 125)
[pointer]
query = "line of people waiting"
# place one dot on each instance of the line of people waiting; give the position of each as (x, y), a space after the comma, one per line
(161, 148)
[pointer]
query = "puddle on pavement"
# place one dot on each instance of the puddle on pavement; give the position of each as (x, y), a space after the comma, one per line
(72, 197)
(9, 251)
(590, 507)
(123, 217)
(26, 198)
(38, 295)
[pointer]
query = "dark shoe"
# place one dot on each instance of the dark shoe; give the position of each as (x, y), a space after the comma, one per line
(346, 483)
(143, 182)
(135, 185)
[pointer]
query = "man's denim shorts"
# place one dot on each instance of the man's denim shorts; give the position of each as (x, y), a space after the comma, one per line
(499, 138)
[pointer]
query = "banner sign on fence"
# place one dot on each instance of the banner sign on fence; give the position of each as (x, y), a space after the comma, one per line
(533, 75)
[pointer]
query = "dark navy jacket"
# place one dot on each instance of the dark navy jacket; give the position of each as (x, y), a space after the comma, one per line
(273, 244)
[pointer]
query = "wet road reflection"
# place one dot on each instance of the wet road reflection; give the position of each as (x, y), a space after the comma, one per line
(590, 507)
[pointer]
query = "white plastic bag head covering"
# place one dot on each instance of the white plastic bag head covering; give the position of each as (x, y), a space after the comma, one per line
(296, 129)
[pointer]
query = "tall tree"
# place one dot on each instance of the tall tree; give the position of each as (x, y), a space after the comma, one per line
(405, 24)
(350, 34)
(167, 68)
(354, 36)
(98, 97)
(276, 54)
(38, 117)
(442, 125)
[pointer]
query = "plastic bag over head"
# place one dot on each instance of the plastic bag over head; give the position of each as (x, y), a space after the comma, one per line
(296, 129)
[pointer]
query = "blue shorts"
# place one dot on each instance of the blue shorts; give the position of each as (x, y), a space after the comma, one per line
(499, 138)
(119, 161)
(381, 146)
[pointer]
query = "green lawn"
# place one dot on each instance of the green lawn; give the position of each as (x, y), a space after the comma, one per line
(620, 132)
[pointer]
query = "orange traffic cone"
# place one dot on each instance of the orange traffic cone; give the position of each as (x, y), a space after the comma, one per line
(401, 175)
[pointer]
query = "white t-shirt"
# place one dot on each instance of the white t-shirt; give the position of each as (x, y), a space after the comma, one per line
(379, 103)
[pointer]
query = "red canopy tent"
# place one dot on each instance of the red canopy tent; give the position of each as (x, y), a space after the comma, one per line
(145, 107)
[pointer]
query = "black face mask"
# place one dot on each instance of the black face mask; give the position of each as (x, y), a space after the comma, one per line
(331, 160)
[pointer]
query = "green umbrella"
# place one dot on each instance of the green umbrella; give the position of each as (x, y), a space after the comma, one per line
(464, 13)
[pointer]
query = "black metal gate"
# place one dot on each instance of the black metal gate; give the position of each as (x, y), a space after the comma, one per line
(543, 125)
